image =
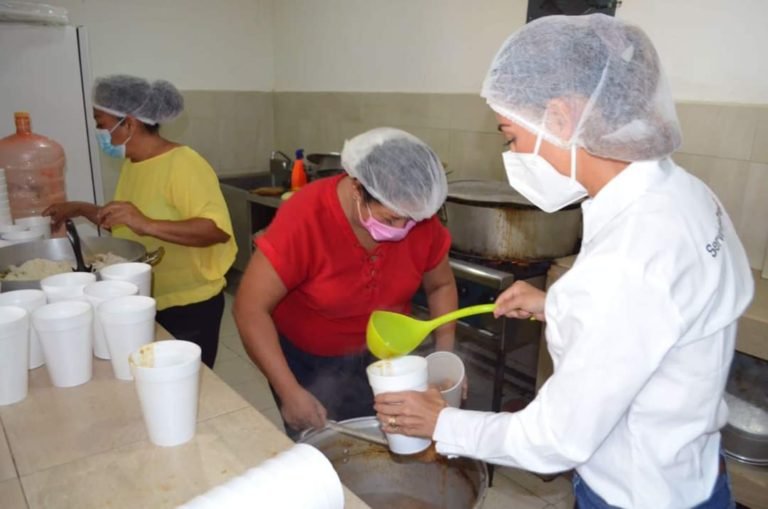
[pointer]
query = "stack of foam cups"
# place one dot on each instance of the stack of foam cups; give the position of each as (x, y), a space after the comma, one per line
(14, 352)
(299, 478)
(98, 293)
(66, 286)
(129, 323)
(167, 378)
(66, 334)
(5, 204)
(29, 300)
(137, 273)
(408, 373)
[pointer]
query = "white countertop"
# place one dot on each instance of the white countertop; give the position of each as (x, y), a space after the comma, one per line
(86, 447)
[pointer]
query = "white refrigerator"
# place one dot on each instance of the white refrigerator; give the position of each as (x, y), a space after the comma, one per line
(44, 69)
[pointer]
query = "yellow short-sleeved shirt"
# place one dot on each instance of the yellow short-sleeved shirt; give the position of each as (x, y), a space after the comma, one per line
(175, 186)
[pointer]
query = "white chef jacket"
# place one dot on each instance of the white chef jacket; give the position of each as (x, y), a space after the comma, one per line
(641, 331)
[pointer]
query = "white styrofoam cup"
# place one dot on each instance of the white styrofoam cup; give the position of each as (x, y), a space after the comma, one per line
(408, 373)
(446, 371)
(167, 375)
(97, 293)
(66, 335)
(28, 299)
(66, 286)
(137, 273)
(129, 323)
(14, 354)
(273, 483)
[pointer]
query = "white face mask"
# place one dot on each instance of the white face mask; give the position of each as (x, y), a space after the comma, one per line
(536, 179)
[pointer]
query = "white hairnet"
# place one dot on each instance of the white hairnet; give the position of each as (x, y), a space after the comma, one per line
(398, 169)
(607, 71)
(152, 103)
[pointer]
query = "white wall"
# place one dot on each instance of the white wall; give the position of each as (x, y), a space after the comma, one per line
(711, 49)
(195, 44)
(389, 46)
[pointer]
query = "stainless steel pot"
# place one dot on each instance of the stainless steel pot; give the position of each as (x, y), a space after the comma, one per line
(745, 437)
(491, 220)
(321, 165)
(386, 481)
(61, 249)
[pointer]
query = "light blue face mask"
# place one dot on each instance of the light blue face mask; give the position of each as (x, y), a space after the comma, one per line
(104, 138)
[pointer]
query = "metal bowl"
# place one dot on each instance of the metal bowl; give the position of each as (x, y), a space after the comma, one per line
(745, 437)
(61, 249)
(385, 480)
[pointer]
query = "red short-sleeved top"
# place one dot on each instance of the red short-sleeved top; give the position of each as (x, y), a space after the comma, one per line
(333, 283)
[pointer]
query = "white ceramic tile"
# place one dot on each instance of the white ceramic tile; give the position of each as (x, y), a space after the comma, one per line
(505, 494)
(7, 470)
(551, 491)
(142, 475)
(718, 130)
(273, 415)
(469, 112)
(476, 155)
(753, 226)
(257, 394)
(92, 418)
(760, 144)
(11, 495)
(239, 371)
(234, 343)
(224, 353)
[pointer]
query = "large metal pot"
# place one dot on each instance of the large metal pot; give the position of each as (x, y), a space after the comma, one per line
(321, 165)
(491, 220)
(387, 481)
(61, 249)
(745, 437)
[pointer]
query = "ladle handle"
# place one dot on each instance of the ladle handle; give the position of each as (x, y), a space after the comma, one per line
(461, 313)
(74, 239)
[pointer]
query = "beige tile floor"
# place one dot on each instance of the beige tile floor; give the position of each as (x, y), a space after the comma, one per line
(511, 487)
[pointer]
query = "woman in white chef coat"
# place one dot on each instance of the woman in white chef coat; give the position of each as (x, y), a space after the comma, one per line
(641, 330)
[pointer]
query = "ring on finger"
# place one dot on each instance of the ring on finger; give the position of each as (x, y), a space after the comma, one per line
(392, 421)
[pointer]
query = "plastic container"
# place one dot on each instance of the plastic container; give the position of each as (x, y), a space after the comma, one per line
(298, 173)
(34, 169)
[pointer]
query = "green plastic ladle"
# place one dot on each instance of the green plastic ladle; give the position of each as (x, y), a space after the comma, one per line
(393, 334)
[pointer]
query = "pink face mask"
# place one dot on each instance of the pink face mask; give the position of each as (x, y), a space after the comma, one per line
(383, 232)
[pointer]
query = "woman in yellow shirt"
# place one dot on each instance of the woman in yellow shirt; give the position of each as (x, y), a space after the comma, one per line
(167, 195)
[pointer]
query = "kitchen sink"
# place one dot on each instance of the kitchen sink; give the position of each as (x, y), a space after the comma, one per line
(248, 181)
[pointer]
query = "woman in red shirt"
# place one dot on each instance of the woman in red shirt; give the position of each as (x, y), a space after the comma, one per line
(339, 249)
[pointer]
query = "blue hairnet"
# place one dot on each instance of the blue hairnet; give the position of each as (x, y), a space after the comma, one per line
(151, 103)
(607, 71)
(398, 169)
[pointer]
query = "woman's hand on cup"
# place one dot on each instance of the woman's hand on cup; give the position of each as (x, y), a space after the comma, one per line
(302, 410)
(521, 300)
(412, 413)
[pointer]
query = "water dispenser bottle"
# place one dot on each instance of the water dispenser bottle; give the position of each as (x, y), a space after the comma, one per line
(34, 169)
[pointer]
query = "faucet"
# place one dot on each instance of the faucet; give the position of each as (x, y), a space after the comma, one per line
(279, 166)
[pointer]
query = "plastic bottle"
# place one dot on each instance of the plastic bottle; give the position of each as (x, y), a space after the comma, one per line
(34, 169)
(298, 174)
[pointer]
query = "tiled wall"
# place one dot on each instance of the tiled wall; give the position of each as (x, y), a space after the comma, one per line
(234, 131)
(725, 145)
